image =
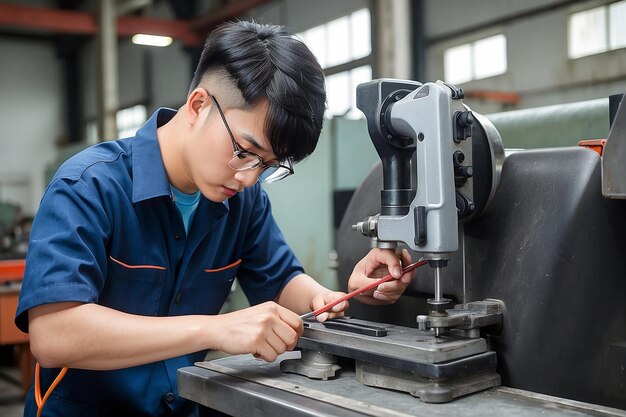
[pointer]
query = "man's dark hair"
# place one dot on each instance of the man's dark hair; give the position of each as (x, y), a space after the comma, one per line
(266, 61)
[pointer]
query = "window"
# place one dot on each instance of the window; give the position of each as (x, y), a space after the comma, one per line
(472, 61)
(341, 40)
(128, 121)
(342, 47)
(341, 91)
(597, 30)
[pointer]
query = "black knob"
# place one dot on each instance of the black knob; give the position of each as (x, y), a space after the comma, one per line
(458, 158)
(466, 171)
(463, 125)
(464, 206)
(465, 118)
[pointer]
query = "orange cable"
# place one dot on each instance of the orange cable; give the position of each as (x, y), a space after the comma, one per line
(42, 401)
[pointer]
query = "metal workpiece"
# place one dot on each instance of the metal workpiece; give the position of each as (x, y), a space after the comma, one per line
(242, 386)
(420, 352)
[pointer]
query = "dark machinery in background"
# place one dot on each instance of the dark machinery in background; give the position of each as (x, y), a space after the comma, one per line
(14, 231)
(547, 245)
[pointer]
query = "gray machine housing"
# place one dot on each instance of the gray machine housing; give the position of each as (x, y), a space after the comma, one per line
(552, 248)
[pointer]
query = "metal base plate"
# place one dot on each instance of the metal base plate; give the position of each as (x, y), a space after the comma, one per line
(403, 348)
(427, 390)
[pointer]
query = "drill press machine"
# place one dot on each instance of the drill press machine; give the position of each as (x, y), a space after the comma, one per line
(441, 165)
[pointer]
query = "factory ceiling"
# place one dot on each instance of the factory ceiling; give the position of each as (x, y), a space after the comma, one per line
(67, 18)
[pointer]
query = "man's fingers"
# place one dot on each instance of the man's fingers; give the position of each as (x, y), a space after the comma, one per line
(388, 294)
(406, 257)
(266, 352)
(291, 319)
(406, 260)
(380, 257)
(322, 317)
(386, 297)
(392, 286)
(328, 298)
(336, 311)
(287, 335)
(340, 307)
(277, 343)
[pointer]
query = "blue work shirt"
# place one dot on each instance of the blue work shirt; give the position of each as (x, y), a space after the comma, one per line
(108, 232)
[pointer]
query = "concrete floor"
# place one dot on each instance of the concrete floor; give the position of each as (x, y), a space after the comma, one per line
(11, 401)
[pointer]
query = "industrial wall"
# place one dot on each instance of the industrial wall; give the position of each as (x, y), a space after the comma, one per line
(31, 118)
(536, 31)
(32, 93)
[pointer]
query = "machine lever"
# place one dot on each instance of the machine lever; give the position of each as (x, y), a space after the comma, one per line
(420, 225)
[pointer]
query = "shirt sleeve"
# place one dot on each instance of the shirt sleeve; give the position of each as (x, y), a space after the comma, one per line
(66, 258)
(268, 261)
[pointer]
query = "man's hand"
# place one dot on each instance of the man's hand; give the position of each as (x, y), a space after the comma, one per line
(375, 265)
(325, 298)
(265, 330)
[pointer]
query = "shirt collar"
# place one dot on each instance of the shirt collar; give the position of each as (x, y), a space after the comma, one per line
(149, 176)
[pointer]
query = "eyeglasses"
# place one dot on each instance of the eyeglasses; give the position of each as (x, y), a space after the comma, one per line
(243, 160)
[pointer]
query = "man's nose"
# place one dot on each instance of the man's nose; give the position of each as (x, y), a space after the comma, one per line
(248, 177)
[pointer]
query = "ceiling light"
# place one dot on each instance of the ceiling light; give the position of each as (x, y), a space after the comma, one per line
(151, 40)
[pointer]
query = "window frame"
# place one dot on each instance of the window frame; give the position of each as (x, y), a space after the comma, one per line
(472, 59)
(608, 47)
(368, 60)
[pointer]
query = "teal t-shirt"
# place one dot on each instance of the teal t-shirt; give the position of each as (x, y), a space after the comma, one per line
(187, 205)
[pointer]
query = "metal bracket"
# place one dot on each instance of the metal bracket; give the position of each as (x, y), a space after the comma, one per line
(470, 315)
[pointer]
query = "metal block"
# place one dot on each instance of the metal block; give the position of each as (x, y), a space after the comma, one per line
(428, 390)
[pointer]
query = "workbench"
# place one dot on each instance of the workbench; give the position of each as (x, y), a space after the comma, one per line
(244, 386)
(11, 274)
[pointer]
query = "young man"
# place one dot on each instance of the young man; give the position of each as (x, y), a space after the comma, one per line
(137, 242)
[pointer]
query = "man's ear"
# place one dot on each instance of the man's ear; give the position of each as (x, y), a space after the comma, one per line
(197, 99)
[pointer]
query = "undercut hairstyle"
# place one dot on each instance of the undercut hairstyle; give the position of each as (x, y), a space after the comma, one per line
(266, 61)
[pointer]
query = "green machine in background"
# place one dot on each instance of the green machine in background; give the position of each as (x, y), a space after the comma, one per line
(553, 126)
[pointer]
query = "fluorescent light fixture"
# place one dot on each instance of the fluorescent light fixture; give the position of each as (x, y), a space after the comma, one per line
(151, 40)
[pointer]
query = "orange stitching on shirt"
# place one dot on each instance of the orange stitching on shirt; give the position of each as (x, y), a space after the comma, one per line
(161, 268)
(234, 264)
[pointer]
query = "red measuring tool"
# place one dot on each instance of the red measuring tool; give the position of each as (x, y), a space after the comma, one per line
(361, 290)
